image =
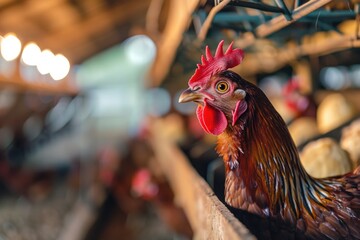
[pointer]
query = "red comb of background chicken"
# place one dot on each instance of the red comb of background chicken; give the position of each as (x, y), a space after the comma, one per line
(291, 86)
(143, 185)
(213, 64)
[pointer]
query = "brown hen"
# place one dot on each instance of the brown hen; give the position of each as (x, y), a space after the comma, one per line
(264, 175)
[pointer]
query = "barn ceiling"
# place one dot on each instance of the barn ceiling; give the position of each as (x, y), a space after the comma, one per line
(79, 29)
(76, 28)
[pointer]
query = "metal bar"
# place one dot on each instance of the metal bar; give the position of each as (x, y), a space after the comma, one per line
(337, 15)
(258, 6)
(248, 26)
(329, 16)
(236, 18)
(285, 9)
(322, 25)
(280, 22)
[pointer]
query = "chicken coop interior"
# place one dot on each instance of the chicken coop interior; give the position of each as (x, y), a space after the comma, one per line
(94, 143)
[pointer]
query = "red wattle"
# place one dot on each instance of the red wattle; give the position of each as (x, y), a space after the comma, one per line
(199, 114)
(211, 119)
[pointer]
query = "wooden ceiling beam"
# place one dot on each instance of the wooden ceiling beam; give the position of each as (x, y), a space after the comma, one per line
(29, 8)
(73, 36)
(76, 35)
(21, 18)
(177, 23)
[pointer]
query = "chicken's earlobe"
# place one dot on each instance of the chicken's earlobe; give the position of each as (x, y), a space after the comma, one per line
(240, 108)
(240, 94)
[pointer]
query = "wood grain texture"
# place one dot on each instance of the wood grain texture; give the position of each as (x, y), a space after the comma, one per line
(209, 218)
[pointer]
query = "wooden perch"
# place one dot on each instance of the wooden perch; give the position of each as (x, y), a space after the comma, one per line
(209, 218)
(40, 83)
(256, 62)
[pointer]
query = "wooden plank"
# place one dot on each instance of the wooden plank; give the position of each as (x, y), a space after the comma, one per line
(280, 22)
(178, 21)
(208, 216)
(256, 63)
(60, 88)
(44, 84)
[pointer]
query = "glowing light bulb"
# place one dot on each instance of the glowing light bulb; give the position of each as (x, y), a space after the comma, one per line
(60, 67)
(10, 47)
(45, 62)
(31, 54)
(140, 49)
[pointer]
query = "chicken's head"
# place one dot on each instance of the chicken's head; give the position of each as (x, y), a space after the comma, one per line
(218, 91)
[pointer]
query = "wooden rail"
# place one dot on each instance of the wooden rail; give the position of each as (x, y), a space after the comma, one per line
(257, 63)
(40, 83)
(208, 216)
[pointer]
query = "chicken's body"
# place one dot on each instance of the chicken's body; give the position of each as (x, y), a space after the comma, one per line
(264, 175)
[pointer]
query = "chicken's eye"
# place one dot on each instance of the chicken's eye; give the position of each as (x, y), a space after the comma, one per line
(222, 87)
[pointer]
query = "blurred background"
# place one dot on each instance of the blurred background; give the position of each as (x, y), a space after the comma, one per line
(87, 86)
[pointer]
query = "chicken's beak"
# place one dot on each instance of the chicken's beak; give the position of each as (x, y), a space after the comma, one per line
(189, 95)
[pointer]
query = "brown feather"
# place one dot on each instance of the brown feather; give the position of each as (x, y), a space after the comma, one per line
(269, 180)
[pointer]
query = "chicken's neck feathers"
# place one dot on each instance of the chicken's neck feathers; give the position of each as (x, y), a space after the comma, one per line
(264, 173)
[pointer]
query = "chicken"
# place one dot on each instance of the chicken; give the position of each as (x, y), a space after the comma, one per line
(264, 175)
(301, 105)
(334, 110)
(303, 129)
(149, 188)
(34, 185)
(324, 158)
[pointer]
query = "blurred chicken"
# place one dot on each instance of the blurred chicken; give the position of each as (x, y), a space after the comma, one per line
(350, 141)
(333, 111)
(325, 158)
(302, 105)
(34, 185)
(159, 193)
(303, 129)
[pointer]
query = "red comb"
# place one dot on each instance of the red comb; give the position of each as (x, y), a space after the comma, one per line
(213, 64)
(291, 86)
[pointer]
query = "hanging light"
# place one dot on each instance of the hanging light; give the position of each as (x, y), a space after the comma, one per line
(10, 47)
(45, 62)
(31, 54)
(140, 49)
(60, 67)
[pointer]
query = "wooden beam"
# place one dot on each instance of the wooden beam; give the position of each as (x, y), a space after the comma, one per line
(71, 37)
(21, 12)
(209, 217)
(280, 22)
(178, 21)
(255, 63)
(41, 83)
